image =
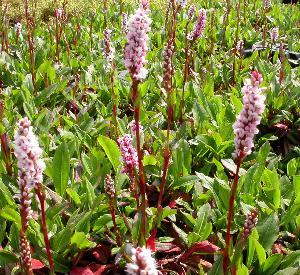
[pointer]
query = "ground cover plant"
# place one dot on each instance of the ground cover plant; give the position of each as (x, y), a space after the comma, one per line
(149, 137)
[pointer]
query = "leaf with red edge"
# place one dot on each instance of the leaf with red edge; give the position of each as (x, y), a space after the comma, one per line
(36, 264)
(167, 248)
(201, 247)
(172, 266)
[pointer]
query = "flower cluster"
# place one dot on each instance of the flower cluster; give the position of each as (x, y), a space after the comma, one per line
(168, 70)
(129, 155)
(109, 51)
(239, 45)
(109, 187)
(142, 262)
(133, 127)
(274, 34)
(30, 166)
(199, 26)
(144, 4)
(181, 3)
(267, 4)
(191, 12)
(124, 22)
(245, 126)
(25, 254)
(59, 14)
(136, 48)
(250, 223)
(18, 27)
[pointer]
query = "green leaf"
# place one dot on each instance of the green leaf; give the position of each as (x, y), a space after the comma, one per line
(293, 166)
(6, 197)
(272, 263)
(272, 187)
(86, 161)
(7, 257)
(217, 268)
(11, 215)
(182, 235)
(288, 271)
(112, 150)
(136, 226)
(74, 196)
(251, 250)
(89, 192)
(263, 153)
(102, 222)
(202, 225)
(61, 169)
(251, 181)
(81, 241)
(260, 252)
(149, 160)
(291, 259)
(14, 236)
(2, 229)
(61, 240)
(268, 230)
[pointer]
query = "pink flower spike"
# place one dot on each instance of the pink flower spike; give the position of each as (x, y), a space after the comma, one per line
(136, 47)
(108, 51)
(199, 26)
(274, 34)
(30, 165)
(245, 127)
(129, 155)
(142, 262)
(133, 127)
(144, 4)
(124, 22)
(191, 12)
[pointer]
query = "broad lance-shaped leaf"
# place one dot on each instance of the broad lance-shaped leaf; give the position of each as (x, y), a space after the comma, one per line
(61, 169)
(111, 149)
(268, 230)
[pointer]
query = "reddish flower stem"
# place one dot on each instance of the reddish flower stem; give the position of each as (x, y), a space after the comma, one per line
(136, 103)
(236, 40)
(212, 37)
(133, 186)
(112, 79)
(167, 156)
(113, 216)
(6, 155)
(186, 70)
(230, 213)
(42, 198)
(30, 41)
